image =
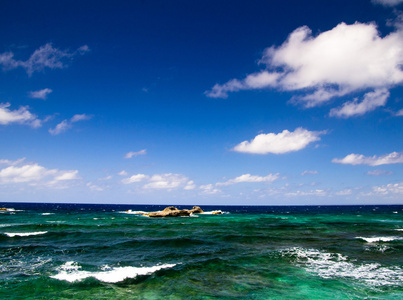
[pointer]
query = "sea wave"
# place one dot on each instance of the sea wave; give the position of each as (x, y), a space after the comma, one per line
(379, 239)
(13, 234)
(47, 214)
(331, 265)
(72, 272)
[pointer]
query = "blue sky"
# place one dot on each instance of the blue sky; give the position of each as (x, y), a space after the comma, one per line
(202, 102)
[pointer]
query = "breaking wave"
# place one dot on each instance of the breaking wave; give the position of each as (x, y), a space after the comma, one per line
(331, 265)
(73, 272)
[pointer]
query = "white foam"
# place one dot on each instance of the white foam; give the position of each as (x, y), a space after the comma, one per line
(331, 265)
(214, 212)
(399, 229)
(379, 239)
(47, 214)
(72, 272)
(132, 212)
(13, 234)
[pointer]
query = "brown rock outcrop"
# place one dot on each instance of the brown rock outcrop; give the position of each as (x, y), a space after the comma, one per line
(172, 211)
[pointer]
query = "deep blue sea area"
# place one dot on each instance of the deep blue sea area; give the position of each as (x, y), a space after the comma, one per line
(88, 251)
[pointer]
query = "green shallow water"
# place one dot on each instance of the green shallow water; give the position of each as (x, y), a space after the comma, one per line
(102, 252)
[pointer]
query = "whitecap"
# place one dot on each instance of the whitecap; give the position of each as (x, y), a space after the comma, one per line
(72, 272)
(331, 265)
(399, 229)
(132, 212)
(47, 214)
(13, 234)
(218, 212)
(379, 239)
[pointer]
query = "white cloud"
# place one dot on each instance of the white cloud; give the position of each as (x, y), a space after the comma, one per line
(11, 162)
(319, 193)
(41, 94)
(67, 124)
(391, 188)
(94, 187)
(345, 192)
(283, 142)
(131, 154)
(134, 178)
(371, 101)
(359, 159)
(67, 175)
(123, 173)
(19, 116)
(209, 189)
(345, 59)
(35, 174)
(399, 113)
(61, 127)
(250, 178)
(309, 173)
(166, 181)
(379, 172)
(190, 185)
(80, 117)
(388, 2)
(45, 57)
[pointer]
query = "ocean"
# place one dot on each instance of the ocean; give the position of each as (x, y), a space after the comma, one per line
(84, 251)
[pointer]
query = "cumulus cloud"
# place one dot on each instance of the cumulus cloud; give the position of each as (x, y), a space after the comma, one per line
(94, 187)
(35, 174)
(80, 117)
(359, 159)
(41, 94)
(250, 178)
(46, 56)
(345, 192)
(209, 189)
(343, 60)
(67, 124)
(18, 116)
(282, 142)
(166, 181)
(190, 185)
(131, 154)
(388, 2)
(391, 188)
(135, 178)
(371, 101)
(399, 113)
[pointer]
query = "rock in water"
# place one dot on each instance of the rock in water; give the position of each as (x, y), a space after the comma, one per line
(172, 211)
(197, 210)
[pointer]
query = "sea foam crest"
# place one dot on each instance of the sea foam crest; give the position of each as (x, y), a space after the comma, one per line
(13, 234)
(72, 272)
(379, 239)
(330, 265)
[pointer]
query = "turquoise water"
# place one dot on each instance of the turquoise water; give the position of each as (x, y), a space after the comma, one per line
(54, 251)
